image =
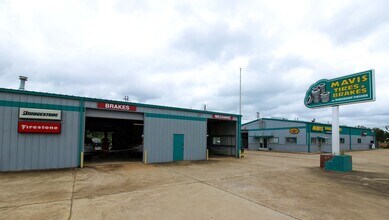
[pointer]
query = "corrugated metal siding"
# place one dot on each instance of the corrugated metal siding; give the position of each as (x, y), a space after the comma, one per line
(90, 104)
(301, 140)
(46, 151)
(37, 151)
(282, 124)
(254, 125)
(158, 133)
(158, 138)
(364, 145)
(300, 146)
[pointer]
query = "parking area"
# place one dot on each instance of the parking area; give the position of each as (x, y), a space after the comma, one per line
(263, 185)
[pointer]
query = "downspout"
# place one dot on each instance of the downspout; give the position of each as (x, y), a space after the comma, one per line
(239, 138)
(349, 132)
(81, 134)
(308, 137)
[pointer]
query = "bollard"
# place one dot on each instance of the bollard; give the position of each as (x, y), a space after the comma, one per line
(82, 160)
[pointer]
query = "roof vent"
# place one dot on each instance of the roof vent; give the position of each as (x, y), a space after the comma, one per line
(23, 80)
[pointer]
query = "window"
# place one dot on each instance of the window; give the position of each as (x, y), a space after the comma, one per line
(313, 140)
(216, 140)
(359, 140)
(291, 140)
(321, 140)
(342, 140)
(273, 140)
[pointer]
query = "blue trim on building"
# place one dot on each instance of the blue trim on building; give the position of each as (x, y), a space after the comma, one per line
(39, 105)
(308, 138)
(283, 128)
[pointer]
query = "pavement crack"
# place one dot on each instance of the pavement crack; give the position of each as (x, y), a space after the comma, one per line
(71, 200)
(30, 204)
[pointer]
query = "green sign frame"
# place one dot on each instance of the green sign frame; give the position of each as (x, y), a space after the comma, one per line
(350, 89)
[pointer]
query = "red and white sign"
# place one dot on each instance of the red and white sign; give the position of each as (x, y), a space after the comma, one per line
(39, 127)
(118, 107)
(223, 117)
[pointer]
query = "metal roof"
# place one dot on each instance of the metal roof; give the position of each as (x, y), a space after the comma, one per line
(306, 122)
(54, 95)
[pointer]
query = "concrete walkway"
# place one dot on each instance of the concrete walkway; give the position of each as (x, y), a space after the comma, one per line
(264, 185)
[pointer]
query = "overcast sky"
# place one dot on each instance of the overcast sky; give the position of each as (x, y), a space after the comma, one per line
(188, 53)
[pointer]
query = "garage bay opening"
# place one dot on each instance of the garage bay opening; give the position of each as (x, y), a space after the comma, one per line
(221, 137)
(113, 140)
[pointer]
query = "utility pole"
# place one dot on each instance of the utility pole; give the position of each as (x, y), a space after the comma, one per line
(240, 91)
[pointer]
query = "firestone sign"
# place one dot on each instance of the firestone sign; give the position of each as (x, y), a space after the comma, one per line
(39, 127)
(354, 88)
(117, 107)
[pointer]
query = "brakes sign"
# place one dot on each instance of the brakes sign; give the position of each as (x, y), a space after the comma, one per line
(39, 127)
(118, 107)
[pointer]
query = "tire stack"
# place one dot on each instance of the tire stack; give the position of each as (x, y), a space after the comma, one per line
(318, 94)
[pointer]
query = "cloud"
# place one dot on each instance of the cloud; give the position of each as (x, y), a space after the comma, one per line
(214, 42)
(187, 54)
(357, 21)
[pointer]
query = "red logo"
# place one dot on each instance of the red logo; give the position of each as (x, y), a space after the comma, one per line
(39, 127)
(222, 117)
(119, 107)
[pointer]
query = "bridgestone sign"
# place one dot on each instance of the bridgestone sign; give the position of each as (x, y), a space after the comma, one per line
(35, 113)
(354, 88)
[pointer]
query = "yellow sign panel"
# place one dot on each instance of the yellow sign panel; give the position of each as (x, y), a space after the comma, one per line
(294, 130)
(323, 128)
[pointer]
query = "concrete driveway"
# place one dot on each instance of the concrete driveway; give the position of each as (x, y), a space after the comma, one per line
(264, 185)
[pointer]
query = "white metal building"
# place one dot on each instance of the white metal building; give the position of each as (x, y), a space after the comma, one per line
(300, 136)
(45, 131)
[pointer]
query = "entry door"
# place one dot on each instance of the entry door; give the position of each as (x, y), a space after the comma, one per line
(265, 143)
(178, 147)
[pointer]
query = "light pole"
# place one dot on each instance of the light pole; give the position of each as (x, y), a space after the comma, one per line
(240, 91)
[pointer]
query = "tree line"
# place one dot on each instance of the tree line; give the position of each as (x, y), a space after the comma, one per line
(382, 135)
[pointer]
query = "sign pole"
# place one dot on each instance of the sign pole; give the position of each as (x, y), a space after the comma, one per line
(335, 130)
(240, 91)
(353, 88)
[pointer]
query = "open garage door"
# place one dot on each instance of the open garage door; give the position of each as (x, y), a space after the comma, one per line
(113, 136)
(221, 137)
